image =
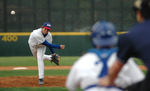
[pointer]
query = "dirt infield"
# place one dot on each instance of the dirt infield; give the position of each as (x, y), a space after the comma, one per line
(32, 81)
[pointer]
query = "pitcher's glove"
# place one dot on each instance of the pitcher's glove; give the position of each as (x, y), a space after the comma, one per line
(55, 59)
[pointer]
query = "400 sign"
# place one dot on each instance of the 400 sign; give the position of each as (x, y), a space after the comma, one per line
(9, 38)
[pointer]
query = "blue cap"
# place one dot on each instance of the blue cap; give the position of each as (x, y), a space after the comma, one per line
(104, 34)
(47, 25)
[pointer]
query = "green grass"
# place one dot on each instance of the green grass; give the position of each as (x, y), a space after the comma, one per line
(33, 73)
(30, 61)
(34, 89)
(37, 89)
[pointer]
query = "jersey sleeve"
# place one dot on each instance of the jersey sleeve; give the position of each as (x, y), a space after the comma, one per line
(51, 45)
(129, 74)
(52, 50)
(125, 49)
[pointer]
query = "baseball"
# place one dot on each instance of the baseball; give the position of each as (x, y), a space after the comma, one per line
(12, 12)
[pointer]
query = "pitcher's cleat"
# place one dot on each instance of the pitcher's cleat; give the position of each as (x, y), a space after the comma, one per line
(41, 82)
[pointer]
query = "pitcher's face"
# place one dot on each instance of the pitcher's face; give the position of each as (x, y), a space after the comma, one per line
(45, 31)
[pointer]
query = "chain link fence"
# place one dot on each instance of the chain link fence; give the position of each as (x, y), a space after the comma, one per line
(64, 15)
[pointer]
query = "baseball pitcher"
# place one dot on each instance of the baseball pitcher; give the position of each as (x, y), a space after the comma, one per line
(38, 40)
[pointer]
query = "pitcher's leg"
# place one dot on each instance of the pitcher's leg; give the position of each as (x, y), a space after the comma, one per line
(33, 51)
(47, 57)
(40, 54)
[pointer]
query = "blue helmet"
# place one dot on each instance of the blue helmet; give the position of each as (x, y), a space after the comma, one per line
(104, 34)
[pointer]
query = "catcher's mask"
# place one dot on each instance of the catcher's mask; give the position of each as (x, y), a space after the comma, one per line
(104, 34)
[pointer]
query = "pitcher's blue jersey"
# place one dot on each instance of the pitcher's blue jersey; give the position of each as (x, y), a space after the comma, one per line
(136, 43)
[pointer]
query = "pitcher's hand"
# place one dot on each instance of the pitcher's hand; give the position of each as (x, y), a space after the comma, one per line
(62, 47)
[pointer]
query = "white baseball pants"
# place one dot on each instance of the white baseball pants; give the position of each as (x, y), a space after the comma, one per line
(39, 54)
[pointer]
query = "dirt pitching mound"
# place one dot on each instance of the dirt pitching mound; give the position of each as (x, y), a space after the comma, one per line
(32, 81)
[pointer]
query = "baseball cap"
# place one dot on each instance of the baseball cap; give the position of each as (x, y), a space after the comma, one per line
(104, 34)
(47, 25)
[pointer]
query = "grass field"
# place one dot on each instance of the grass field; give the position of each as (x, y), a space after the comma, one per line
(30, 61)
(34, 89)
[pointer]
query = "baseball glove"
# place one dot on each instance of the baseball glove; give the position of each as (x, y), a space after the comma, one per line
(55, 59)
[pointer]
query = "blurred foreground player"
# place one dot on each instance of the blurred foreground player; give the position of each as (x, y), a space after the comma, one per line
(38, 40)
(135, 43)
(94, 64)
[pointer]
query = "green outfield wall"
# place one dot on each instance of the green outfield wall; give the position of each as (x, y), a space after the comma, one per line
(16, 44)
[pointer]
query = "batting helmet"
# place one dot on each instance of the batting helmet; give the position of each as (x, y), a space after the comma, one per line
(144, 7)
(104, 34)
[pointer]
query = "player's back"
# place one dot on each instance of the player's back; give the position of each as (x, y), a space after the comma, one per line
(88, 69)
(139, 37)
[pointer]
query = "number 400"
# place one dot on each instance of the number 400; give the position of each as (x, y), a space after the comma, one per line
(9, 38)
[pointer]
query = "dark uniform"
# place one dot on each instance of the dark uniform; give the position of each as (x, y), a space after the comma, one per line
(136, 43)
